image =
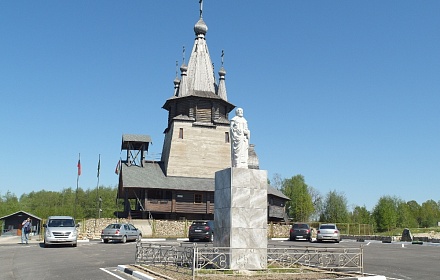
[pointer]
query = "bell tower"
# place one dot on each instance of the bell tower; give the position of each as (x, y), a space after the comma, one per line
(197, 140)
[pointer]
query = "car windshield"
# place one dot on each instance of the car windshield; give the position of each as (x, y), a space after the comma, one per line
(61, 223)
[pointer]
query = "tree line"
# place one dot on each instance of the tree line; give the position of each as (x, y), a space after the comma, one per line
(80, 203)
(307, 204)
(390, 212)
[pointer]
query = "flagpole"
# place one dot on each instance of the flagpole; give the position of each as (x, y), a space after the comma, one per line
(97, 187)
(117, 171)
(77, 185)
(97, 190)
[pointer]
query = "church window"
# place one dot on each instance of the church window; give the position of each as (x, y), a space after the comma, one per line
(180, 133)
(226, 137)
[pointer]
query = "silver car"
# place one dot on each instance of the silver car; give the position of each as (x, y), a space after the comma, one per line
(120, 232)
(328, 232)
(60, 230)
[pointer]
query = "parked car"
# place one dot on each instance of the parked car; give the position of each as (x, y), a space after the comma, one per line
(60, 230)
(328, 232)
(300, 231)
(120, 232)
(201, 230)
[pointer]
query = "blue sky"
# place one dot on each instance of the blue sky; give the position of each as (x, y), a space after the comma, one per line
(346, 93)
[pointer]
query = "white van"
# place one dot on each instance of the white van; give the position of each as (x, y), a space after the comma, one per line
(60, 230)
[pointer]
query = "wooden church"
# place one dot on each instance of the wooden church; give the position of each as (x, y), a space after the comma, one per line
(196, 145)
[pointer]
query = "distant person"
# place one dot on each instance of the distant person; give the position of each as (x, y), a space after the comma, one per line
(240, 136)
(26, 226)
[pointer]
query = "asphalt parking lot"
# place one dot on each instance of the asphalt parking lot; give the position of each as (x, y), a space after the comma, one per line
(93, 259)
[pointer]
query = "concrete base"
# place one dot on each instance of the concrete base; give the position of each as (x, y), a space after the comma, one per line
(241, 216)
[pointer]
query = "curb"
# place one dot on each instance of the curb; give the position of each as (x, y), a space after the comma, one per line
(280, 238)
(143, 276)
(153, 239)
(134, 273)
(14, 239)
(375, 277)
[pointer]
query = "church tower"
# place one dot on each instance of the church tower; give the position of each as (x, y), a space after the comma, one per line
(196, 146)
(197, 141)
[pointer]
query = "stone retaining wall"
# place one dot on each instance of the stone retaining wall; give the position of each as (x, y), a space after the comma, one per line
(170, 229)
(91, 229)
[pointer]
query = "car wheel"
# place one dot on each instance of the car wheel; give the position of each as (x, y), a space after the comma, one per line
(45, 244)
(124, 239)
(74, 244)
(105, 240)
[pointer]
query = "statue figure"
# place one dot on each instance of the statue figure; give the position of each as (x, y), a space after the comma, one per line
(240, 136)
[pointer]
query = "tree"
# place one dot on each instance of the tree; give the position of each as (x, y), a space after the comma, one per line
(79, 203)
(9, 204)
(414, 208)
(277, 181)
(361, 215)
(429, 213)
(385, 213)
(42, 203)
(405, 218)
(317, 201)
(108, 204)
(300, 207)
(335, 208)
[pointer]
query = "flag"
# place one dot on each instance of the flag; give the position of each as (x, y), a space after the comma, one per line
(99, 165)
(118, 167)
(79, 167)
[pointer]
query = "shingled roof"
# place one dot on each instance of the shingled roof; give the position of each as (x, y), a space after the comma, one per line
(151, 176)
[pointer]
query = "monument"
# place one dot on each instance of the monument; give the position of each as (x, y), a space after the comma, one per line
(240, 137)
(241, 204)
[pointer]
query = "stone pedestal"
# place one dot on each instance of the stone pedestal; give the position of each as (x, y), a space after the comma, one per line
(241, 216)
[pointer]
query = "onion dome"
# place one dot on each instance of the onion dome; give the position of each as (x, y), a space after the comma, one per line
(222, 72)
(183, 68)
(200, 27)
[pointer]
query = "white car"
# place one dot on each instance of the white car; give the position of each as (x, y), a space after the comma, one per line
(60, 230)
(328, 232)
